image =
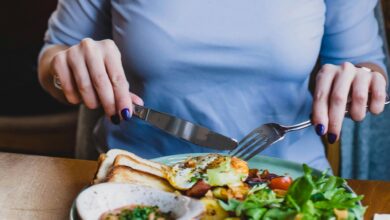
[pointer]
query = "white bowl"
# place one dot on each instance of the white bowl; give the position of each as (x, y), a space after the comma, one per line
(100, 198)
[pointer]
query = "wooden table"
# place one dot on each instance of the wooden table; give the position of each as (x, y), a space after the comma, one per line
(36, 187)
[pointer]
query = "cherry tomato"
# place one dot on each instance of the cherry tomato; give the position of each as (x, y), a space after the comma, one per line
(281, 182)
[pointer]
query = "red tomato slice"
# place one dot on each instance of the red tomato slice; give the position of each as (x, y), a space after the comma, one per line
(282, 182)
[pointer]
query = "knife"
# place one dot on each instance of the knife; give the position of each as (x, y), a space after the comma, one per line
(185, 130)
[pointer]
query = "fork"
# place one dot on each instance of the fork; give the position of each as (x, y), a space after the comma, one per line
(262, 137)
(265, 135)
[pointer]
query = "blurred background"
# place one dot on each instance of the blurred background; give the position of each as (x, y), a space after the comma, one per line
(32, 122)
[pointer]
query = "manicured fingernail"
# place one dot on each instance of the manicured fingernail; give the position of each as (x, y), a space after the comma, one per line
(320, 129)
(115, 119)
(332, 138)
(126, 114)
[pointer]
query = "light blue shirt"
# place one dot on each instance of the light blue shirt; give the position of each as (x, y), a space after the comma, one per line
(228, 65)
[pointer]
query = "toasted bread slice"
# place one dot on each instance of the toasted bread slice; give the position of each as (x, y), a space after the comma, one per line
(140, 164)
(125, 174)
(106, 161)
(101, 159)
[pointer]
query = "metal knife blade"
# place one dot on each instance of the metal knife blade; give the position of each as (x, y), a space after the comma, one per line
(183, 129)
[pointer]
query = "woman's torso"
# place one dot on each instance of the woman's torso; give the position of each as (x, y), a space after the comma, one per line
(230, 66)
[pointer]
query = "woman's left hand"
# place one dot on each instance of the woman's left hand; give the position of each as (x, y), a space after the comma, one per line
(337, 85)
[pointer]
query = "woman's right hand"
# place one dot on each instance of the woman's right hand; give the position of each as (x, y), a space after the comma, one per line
(91, 72)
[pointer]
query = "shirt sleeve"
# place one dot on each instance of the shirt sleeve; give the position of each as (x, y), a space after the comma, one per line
(74, 20)
(351, 33)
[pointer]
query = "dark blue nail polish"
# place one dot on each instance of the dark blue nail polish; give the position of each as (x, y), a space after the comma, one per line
(320, 129)
(115, 119)
(126, 114)
(332, 138)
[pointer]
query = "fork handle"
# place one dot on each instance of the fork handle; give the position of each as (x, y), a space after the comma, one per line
(299, 126)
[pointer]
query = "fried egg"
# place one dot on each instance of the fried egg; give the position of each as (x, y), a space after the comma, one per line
(214, 169)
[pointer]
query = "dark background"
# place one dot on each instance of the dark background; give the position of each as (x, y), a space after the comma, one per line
(23, 24)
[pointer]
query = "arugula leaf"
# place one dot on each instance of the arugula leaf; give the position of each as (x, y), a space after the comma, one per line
(341, 200)
(331, 183)
(265, 197)
(255, 213)
(292, 203)
(230, 206)
(356, 212)
(309, 209)
(255, 204)
(301, 190)
(279, 214)
(257, 188)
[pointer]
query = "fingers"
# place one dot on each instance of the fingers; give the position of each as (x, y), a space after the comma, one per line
(136, 99)
(61, 70)
(119, 82)
(100, 80)
(359, 96)
(78, 66)
(324, 82)
(338, 99)
(334, 85)
(378, 93)
(92, 72)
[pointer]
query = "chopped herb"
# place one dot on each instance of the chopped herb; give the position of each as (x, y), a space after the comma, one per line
(140, 213)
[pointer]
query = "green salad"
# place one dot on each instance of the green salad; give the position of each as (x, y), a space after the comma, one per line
(308, 197)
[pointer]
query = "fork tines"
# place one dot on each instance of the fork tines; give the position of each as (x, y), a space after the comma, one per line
(250, 146)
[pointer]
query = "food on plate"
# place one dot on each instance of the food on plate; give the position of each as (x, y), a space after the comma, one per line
(229, 189)
(138, 163)
(215, 169)
(307, 197)
(136, 212)
(213, 210)
(124, 167)
(105, 200)
(118, 157)
(124, 174)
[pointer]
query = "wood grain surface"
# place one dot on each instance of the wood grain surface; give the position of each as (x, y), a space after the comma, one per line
(376, 195)
(37, 187)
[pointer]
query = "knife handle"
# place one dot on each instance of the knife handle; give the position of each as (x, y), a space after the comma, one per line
(140, 111)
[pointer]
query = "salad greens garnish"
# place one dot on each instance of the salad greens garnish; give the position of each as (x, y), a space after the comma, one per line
(137, 213)
(140, 213)
(308, 197)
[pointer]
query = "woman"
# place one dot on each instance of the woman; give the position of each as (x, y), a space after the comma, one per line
(230, 66)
